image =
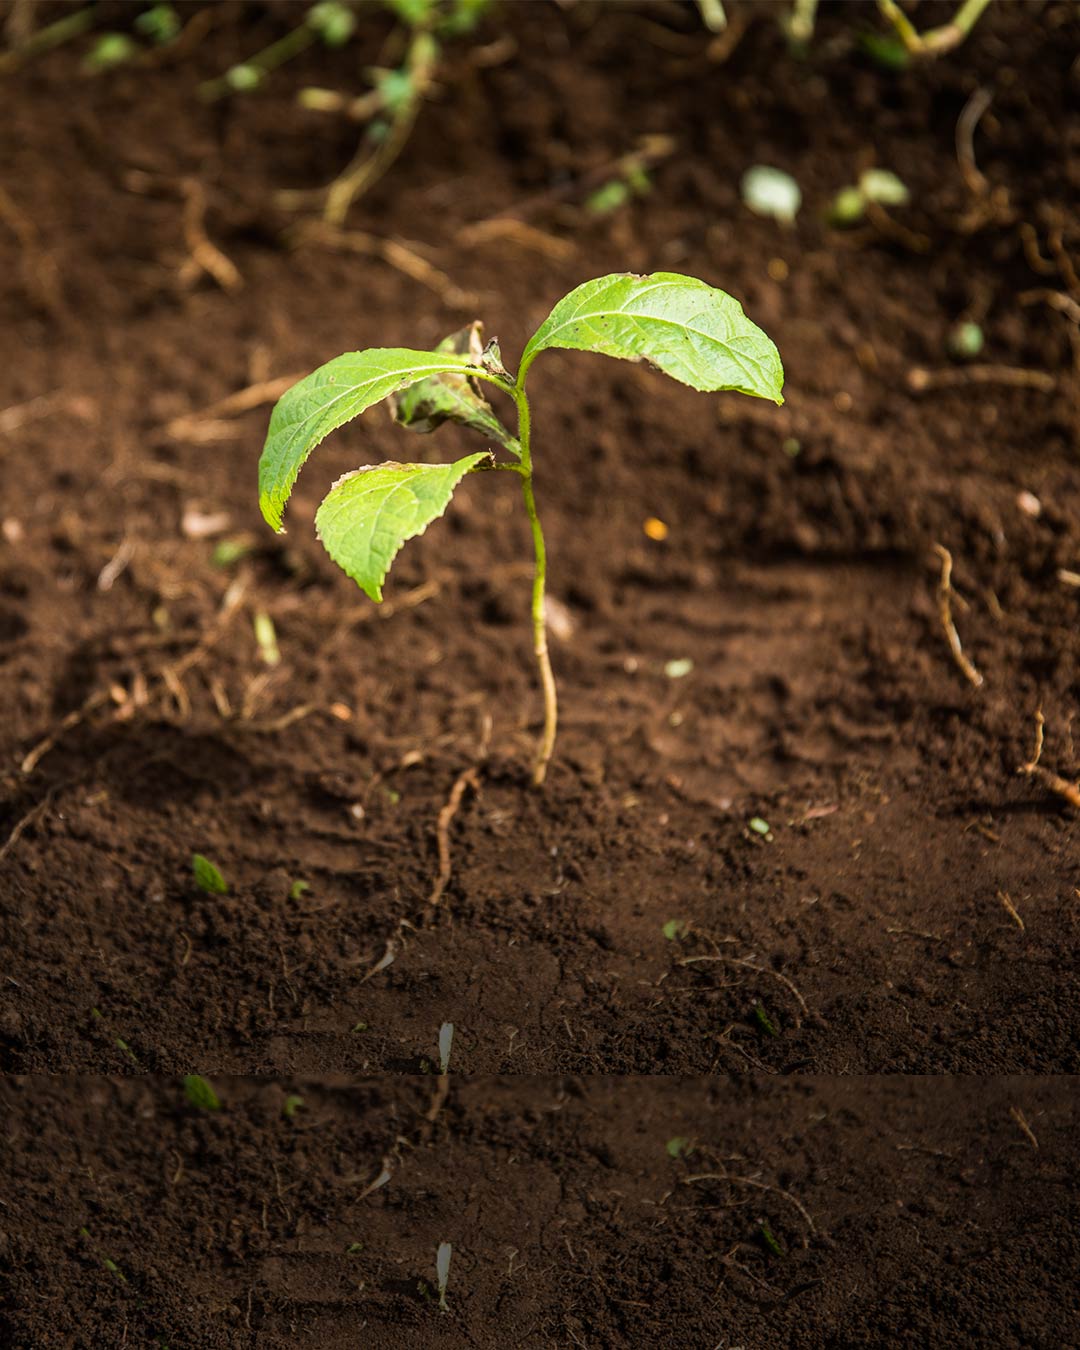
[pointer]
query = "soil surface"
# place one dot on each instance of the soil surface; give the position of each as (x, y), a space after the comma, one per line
(914, 905)
(839, 1213)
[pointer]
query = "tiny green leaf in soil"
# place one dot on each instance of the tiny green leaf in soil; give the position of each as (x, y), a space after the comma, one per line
(691, 331)
(207, 876)
(200, 1093)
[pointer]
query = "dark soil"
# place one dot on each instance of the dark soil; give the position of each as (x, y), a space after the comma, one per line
(905, 1213)
(867, 933)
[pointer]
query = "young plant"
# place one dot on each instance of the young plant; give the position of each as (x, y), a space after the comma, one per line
(696, 334)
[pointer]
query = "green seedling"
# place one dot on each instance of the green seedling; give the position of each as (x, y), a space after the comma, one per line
(354, 1249)
(675, 929)
(442, 1271)
(935, 40)
(771, 1244)
(200, 1093)
(633, 181)
(877, 186)
(965, 341)
(328, 21)
(679, 1147)
(771, 192)
(696, 334)
(297, 889)
(207, 876)
(764, 1021)
(761, 827)
(160, 24)
(293, 1103)
(110, 49)
(230, 551)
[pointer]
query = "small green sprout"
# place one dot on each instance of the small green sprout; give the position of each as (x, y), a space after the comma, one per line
(200, 1093)
(230, 551)
(696, 334)
(761, 1017)
(965, 341)
(354, 1249)
(207, 876)
(293, 1103)
(675, 929)
(878, 186)
(159, 23)
(679, 1147)
(761, 827)
(110, 50)
(767, 1237)
(771, 192)
(297, 889)
(442, 1270)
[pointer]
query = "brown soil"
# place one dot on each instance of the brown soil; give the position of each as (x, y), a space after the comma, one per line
(869, 932)
(843, 1213)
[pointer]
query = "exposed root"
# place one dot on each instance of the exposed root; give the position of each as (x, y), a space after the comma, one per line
(751, 1182)
(438, 1097)
(880, 219)
(1025, 1128)
(33, 757)
(21, 826)
(470, 778)
(204, 257)
(759, 970)
(389, 251)
(944, 598)
(516, 232)
(1033, 769)
(919, 380)
(966, 123)
(18, 414)
(1010, 909)
(211, 424)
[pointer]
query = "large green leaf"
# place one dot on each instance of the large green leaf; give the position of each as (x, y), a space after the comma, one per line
(369, 514)
(325, 400)
(452, 396)
(691, 331)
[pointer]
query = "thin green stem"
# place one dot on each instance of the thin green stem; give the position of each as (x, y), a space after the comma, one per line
(539, 616)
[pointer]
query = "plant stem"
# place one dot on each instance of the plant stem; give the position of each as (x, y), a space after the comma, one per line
(539, 617)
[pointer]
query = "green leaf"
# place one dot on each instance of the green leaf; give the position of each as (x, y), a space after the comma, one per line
(200, 1093)
(369, 514)
(693, 332)
(332, 395)
(207, 876)
(452, 396)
